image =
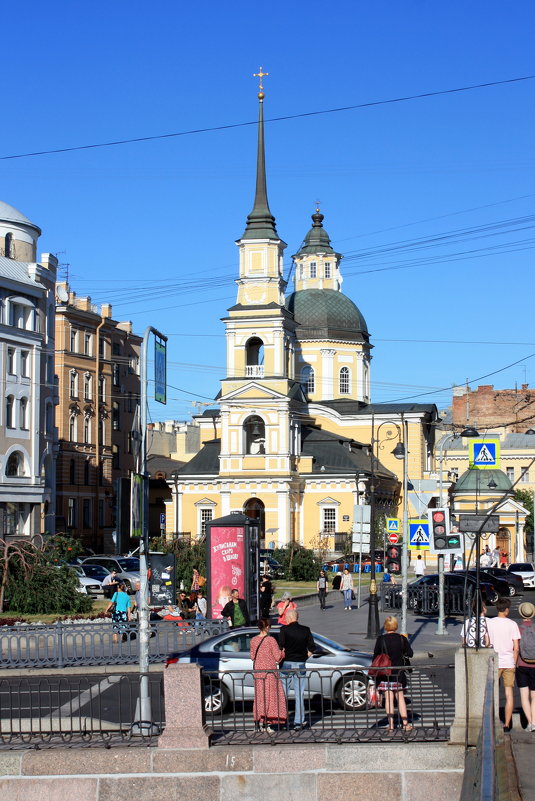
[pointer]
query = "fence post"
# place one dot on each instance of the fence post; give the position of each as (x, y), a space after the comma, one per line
(185, 725)
(59, 641)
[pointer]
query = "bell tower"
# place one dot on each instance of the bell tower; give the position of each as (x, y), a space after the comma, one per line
(259, 392)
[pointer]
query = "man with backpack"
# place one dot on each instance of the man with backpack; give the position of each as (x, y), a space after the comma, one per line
(504, 637)
(525, 666)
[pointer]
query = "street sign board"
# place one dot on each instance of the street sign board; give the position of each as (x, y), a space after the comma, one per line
(418, 534)
(392, 524)
(484, 454)
(393, 538)
(360, 541)
(160, 371)
(471, 524)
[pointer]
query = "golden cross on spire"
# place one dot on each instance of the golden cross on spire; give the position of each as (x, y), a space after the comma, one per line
(318, 205)
(260, 75)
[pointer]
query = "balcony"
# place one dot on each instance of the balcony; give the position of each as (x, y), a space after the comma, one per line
(254, 371)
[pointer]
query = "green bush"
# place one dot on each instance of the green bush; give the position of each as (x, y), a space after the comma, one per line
(45, 589)
(299, 563)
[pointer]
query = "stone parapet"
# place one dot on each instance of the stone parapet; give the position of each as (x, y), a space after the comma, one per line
(397, 771)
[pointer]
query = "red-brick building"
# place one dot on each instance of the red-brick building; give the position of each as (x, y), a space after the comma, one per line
(513, 410)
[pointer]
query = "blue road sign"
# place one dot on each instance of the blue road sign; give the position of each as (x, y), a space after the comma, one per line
(419, 534)
(484, 454)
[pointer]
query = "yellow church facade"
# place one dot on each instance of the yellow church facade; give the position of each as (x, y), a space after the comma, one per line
(295, 440)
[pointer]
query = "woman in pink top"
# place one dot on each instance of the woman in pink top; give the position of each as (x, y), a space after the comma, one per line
(283, 606)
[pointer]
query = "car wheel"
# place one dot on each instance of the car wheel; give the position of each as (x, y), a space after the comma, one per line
(216, 698)
(512, 590)
(351, 692)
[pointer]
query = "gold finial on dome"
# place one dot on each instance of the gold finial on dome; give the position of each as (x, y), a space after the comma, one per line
(260, 75)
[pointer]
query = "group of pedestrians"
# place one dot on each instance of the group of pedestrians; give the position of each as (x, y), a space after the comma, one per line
(342, 582)
(515, 647)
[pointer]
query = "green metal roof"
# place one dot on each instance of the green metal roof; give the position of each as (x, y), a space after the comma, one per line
(475, 480)
(326, 314)
(317, 240)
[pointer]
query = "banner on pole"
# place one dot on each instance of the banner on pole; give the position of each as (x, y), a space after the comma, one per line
(136, 505)
(160, 370)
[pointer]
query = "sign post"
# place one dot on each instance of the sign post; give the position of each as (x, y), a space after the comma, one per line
(360, 537)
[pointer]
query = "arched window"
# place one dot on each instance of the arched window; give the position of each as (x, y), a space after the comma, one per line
(254, 358)
(308, 380)
(72, 472)
(255, 435)
(72, 427)
(15, 464)
(344, 381)
(23, 413)
(8, 246)
(73, 385)
(87, 429)
(10, 411)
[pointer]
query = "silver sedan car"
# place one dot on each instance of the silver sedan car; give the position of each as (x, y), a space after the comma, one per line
(334, 672)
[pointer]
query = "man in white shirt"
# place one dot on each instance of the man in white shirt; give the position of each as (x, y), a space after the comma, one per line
(419, 566)
(504, 638)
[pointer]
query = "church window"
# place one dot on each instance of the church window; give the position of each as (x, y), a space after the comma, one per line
(329, 520)
(308, 379)
(254, 352)
(312, 269)
(344, 381)
(302, 271)
(524, 475)
(327, 269)
(205, 516)
(8, 247)
(255, 435)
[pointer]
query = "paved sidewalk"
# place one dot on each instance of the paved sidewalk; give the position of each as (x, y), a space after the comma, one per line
(522, 743)
(349, 628)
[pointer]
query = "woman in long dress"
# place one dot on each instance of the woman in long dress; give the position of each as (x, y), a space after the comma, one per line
(269, 699)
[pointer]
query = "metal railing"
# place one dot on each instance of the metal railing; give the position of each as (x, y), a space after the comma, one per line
(91, 643)
(480, 778)
(43, 712)
(424, 600)
(335, 707)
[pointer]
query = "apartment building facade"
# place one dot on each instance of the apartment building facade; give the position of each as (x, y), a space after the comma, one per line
(98, 367)
(28, 437)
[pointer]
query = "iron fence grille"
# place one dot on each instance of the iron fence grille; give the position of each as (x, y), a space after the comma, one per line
(335, 707)
(424, 600)
(64, 644)
(43, 712)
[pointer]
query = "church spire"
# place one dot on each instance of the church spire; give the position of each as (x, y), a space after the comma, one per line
(260, 222)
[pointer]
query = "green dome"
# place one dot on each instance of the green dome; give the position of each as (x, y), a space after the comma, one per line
(317, 239)
(470, 482)
(326, 314)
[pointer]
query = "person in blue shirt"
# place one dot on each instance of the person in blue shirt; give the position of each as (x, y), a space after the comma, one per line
(119, 606)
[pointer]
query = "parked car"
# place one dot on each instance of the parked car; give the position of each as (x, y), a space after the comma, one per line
(453, 584)
(516, 585)
(94, 571)
(230, 651)
(525, 570)
(502, 587)
(87, 586)
(127, 568)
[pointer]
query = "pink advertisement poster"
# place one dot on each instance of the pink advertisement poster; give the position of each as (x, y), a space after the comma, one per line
(227, 565)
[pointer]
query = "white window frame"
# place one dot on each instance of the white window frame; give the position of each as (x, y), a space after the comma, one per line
(524, 475)
(329, 512)
(344, 379)
(206, 514)
(313, 269)
(327, 269)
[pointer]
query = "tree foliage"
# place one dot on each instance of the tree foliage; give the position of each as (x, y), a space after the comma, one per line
(299, 563)
(33, 583)
(526, 499)
(188, 555)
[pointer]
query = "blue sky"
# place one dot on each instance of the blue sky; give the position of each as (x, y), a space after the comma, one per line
(151, 226)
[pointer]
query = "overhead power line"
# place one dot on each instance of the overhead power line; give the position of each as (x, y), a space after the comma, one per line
(369, 104)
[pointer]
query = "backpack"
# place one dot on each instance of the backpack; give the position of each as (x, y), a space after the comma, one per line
(527, 643)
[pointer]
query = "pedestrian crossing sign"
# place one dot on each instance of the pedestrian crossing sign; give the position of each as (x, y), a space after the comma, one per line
(484, 454)
(392, 525)
(419, 535)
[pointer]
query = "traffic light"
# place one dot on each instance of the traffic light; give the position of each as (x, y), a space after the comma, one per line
(393, 559)
(442, 539)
